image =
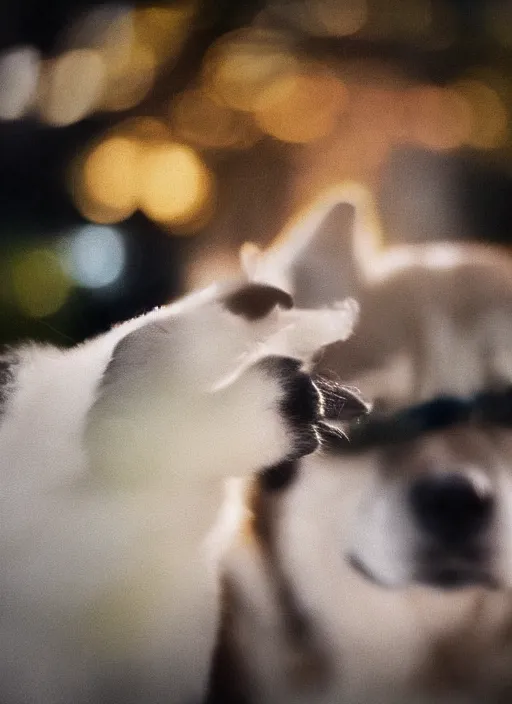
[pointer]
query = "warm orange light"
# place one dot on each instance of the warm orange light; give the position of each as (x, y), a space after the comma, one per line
(164, 29)
(136, 45)
(108, 188)
(490, 116)
(376, 109)
(301, 108)
(338, 18)
(97, 212)
(129, 63)
(239, 68)
(129, 78)
(438, 118)
(71, 87)
(175, 185)
(198, 118)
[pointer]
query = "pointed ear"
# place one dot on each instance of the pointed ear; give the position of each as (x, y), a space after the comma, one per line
(316, 258)
(325, 269)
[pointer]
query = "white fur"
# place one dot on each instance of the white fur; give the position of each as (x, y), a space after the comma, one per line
(113, 461)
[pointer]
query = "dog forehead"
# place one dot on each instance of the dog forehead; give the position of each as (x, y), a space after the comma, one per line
(454, 448)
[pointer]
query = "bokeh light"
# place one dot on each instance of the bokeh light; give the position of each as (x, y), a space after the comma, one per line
(139, 166)
(335, 18)
(19, 75)
(107, 27)
(39, 284)
(490, 116)
(173, 111)
(301, 107)
(240, 66)
(129, 78)
(438, 118)
(107, 188)
(93, 256)
(143, 130)
(175, 185)
(200, 119)
(164, 28)
(71, 86)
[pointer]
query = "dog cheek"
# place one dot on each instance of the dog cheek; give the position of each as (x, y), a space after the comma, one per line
(381, 546)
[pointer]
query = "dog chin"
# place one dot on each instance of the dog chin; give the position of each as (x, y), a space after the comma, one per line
(446, 569)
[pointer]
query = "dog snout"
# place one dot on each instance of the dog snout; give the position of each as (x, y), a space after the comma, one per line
(452, 508)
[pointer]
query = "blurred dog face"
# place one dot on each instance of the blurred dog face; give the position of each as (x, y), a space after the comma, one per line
(433, 499)
(438, 511)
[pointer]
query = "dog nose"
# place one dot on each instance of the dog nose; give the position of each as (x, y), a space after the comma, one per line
(451, 507)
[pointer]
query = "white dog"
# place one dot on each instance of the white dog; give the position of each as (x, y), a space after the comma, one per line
(113, 461)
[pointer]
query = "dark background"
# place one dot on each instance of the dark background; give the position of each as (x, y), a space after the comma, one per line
(252, 185)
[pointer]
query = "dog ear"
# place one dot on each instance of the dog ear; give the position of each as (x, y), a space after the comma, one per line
(318, 256)
(255, 301)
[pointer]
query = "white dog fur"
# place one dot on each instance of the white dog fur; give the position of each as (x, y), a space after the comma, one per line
(113, 461)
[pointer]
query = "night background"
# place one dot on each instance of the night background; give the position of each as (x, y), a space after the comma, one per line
(141, 145)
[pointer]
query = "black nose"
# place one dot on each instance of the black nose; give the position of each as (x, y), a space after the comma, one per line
(451, 507)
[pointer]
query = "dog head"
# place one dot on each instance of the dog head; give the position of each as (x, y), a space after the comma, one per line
(432, 348)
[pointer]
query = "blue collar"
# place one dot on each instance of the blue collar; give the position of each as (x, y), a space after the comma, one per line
(485, 408)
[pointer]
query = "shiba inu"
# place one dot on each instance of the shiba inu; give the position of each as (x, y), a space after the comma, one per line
(113, 457)
(380, 571)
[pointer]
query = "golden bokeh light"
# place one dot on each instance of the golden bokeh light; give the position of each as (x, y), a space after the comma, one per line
(138, 166)
(144, 130)
(332, 17)
(198, 118)
(438, 118)
(71, 87)
(133, 44)
(97, 212)
(376, 109)
(239, 67)
(324, 17)
(129, 78)
(130, 63)
(301, 108)
(107, 189)
(39, 284)
(489, 127)
(164, 28)
(175, 185)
